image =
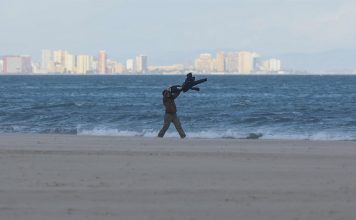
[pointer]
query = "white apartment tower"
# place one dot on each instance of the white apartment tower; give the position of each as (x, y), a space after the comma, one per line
(46, 60)
(58, 56)
(141, 63)
(271, 65)
(232, 62)
(101, 66)
(84, 64)
(204, 63)
(1, 65)
(69, 62)
(130, 65)
(245, 62)
(219, 62)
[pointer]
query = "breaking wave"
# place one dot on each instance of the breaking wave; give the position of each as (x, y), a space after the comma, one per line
(229, 134)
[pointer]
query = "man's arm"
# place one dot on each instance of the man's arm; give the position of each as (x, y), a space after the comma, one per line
(176, 94)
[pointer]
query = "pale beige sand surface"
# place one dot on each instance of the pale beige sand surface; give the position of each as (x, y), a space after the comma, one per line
(50, 177)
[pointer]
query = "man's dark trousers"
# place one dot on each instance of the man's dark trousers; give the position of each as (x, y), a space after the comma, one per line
(168, 118)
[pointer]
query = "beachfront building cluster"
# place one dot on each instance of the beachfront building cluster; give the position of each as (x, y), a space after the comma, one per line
(243, 62)
(16, 64)
(64, 62)
(61, 61)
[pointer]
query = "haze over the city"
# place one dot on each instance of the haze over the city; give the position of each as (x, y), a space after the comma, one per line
(320, 31)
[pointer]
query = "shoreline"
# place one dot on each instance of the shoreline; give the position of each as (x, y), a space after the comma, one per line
(249, 137)
(105, 177)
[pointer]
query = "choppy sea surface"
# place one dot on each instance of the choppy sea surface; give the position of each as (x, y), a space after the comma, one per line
(265, 107)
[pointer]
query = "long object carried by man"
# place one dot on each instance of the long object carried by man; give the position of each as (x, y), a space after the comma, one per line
(188, 84)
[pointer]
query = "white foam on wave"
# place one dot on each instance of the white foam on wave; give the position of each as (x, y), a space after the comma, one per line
(211, 134)
(324, 136)
(111, 132)
(100, 131)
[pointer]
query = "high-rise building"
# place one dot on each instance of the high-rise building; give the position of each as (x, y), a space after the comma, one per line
(245, 62)
(58, 56)
(101, 66)
(258, 64)
(1, 65)
(115, 67)
(138, 64)
(17, 64)
(232, 62)
(219, 62)
(84, 63)
(26, 64)
(68, 62)
(271, 65)
(46, 60)
(12, 64)
(119, 68)
(204, 63)
(141, 64)
(36, 68)
(256, 59)
(130, 66)
(63, 62)
(110, 66)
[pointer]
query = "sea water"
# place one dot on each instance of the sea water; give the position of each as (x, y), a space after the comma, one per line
(266, 107)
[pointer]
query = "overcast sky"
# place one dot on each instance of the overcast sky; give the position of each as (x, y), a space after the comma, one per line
(163, 28)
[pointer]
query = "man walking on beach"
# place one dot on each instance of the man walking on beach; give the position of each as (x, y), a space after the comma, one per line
(171, 113)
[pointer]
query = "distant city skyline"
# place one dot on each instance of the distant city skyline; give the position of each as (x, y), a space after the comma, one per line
(328, 62)
(63, 61)
(174, 30)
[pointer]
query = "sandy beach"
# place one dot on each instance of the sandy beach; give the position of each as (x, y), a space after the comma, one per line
(86, 177)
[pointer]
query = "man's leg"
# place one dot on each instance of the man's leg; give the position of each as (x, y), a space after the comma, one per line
(178, 126)
(166, 123)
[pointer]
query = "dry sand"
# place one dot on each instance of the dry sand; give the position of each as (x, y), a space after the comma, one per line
(55, 177)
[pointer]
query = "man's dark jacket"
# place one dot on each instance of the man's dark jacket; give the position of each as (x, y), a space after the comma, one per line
(169, 103)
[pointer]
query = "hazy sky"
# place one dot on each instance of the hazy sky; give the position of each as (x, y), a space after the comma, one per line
(162, 29)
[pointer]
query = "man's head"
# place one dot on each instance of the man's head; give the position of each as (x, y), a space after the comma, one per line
(166, 93)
